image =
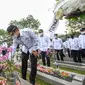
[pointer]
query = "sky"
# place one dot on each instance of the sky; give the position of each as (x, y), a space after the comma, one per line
(40, 9)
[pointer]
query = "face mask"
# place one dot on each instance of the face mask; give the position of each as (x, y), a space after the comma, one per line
(55, 37)
(15, 36)
(41, 34)
(82, 32)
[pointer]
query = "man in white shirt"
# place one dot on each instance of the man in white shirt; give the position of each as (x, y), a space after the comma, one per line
(58, 47)
(74, 46)
(82, 42)
(44, 46)
(29, 42)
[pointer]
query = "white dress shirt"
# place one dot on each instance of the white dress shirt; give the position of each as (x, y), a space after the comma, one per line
(82, 41)
(57, 44)
(68, 42)
(44, 43)
(74, 43)
(65, 44)
(27, 39)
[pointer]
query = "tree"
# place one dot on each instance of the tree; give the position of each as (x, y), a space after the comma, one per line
(3, 32)
(29, 21)
(75, 23)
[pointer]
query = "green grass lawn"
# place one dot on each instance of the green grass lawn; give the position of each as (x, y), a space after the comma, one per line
(71, 70)
(41, 82)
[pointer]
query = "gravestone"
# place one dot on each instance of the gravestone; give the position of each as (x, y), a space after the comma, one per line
(58, 81)
(22, 81)
(72, 65)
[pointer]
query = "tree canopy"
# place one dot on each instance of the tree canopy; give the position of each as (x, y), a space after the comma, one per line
(75, 23)
(3, 32)
(28, 22)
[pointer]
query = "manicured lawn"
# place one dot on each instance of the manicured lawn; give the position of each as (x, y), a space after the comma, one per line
(72, 70)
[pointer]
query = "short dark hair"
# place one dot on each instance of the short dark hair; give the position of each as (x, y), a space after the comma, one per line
(11, 28)
(40, 30)
(82, 29)
(56, 34)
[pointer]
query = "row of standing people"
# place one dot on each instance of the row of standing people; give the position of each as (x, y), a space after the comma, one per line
(75, 46)
(46, 44)
(72, 46)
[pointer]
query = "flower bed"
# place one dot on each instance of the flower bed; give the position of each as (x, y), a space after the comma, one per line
(6, 68)
(56, 72)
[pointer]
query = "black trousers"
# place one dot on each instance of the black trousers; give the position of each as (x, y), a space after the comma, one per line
(25, 58)
(33, 69)
(76, 55)
(43, 54)
(82, 53)
(59, 53)
(33, 72)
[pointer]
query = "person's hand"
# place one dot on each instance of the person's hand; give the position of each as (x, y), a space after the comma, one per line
(35, 53)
